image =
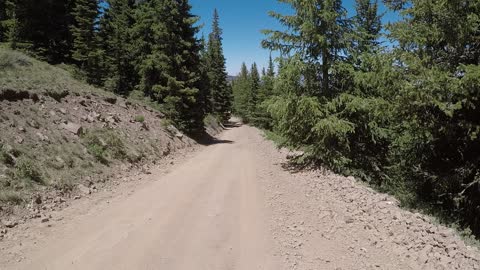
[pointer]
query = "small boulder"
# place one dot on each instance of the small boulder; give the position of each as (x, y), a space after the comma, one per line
(38, 199)
(63, 111)
(42, 137)
(84, 190)
(111, 100)
(19, 140)
(11, 224)
(73, 128)
(34, 124)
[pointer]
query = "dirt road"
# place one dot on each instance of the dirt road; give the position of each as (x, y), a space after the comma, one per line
(233, 206)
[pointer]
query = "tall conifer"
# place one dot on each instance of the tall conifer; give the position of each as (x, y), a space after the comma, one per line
(220, 90)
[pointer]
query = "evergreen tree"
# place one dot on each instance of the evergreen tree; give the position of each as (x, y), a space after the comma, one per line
(9, 23)
(40, 26)
(367, 26)
(86, 51)
(317, 32)
(241, 92)
(220, 90)
(205, 91)
(455, 24)
(116, 38)
(3, 19)
(265, 92)
(169, 63)
(253, 91)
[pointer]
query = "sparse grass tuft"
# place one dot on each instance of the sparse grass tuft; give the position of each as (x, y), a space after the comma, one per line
(10, 196)
(105, 145)
(25, 169)
(140, 118)
(19, 71)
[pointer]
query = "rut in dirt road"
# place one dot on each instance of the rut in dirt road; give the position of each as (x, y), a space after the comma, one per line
(233, 206)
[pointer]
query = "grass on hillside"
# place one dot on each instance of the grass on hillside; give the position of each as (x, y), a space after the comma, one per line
(21, 72)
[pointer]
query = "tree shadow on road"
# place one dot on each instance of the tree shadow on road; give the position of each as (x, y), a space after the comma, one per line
(230, 125)
(207, 139)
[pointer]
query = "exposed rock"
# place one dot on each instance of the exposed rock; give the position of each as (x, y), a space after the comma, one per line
(83, 102)
(73, 128)
(10, 224)
(34, 124)
(146, 170)
(19, 140)
(37, 199)
(111, 100)
(42, 137)
(84, 190)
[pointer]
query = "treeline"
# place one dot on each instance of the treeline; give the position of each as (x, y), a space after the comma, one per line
(250, 91)
(400, 110)
(129, 47)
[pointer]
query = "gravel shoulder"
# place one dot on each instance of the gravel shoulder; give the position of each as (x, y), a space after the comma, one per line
(232, 205)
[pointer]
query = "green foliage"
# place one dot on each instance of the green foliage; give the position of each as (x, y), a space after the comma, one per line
(25, 169)
(105, 146)
(140, 118)
(85, 50)
(125, 46)
(117, 42)
(405, 120)
(221, 91)
(9, 196)
(212, 120)
(169, 65)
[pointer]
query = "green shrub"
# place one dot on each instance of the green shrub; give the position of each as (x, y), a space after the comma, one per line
(9, 196)
(105, 145)
(140, 118)
(25, 169)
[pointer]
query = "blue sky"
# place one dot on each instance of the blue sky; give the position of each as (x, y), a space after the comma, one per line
(242, 22)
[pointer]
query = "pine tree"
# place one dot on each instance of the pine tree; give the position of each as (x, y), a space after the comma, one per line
(3, 18)
(241, 93)
(265, 92)
(116, 36)
(205, 91)
(317, 32)
(9, 23)
(253, 91)
(455, 24)
(220, 90)
(367, 26)
(86, 52)
(169, 65)
(41, 26)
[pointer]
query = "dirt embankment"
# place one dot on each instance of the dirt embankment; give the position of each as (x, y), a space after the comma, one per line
(61, 139)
